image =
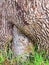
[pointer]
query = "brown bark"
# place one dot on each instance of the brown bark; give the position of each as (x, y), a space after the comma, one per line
(5, 27)
(20, 42)
(31, 17)
(33, 22)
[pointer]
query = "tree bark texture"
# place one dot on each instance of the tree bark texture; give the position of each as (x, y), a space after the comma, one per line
(10, 31)
(31, 17)
(5, 27)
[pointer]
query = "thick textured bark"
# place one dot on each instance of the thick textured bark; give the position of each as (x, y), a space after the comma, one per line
(20, 42)
(5, 27)
(31, 17)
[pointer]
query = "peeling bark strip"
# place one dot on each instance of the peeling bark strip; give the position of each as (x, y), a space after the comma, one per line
(21, 43)
(31, 17)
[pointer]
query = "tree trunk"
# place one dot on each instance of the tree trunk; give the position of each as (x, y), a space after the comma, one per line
(31, 17)
(10, 31)
(5, 27)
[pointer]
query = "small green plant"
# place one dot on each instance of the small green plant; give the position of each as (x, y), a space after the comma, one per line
(1, 59)
(36, 58)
